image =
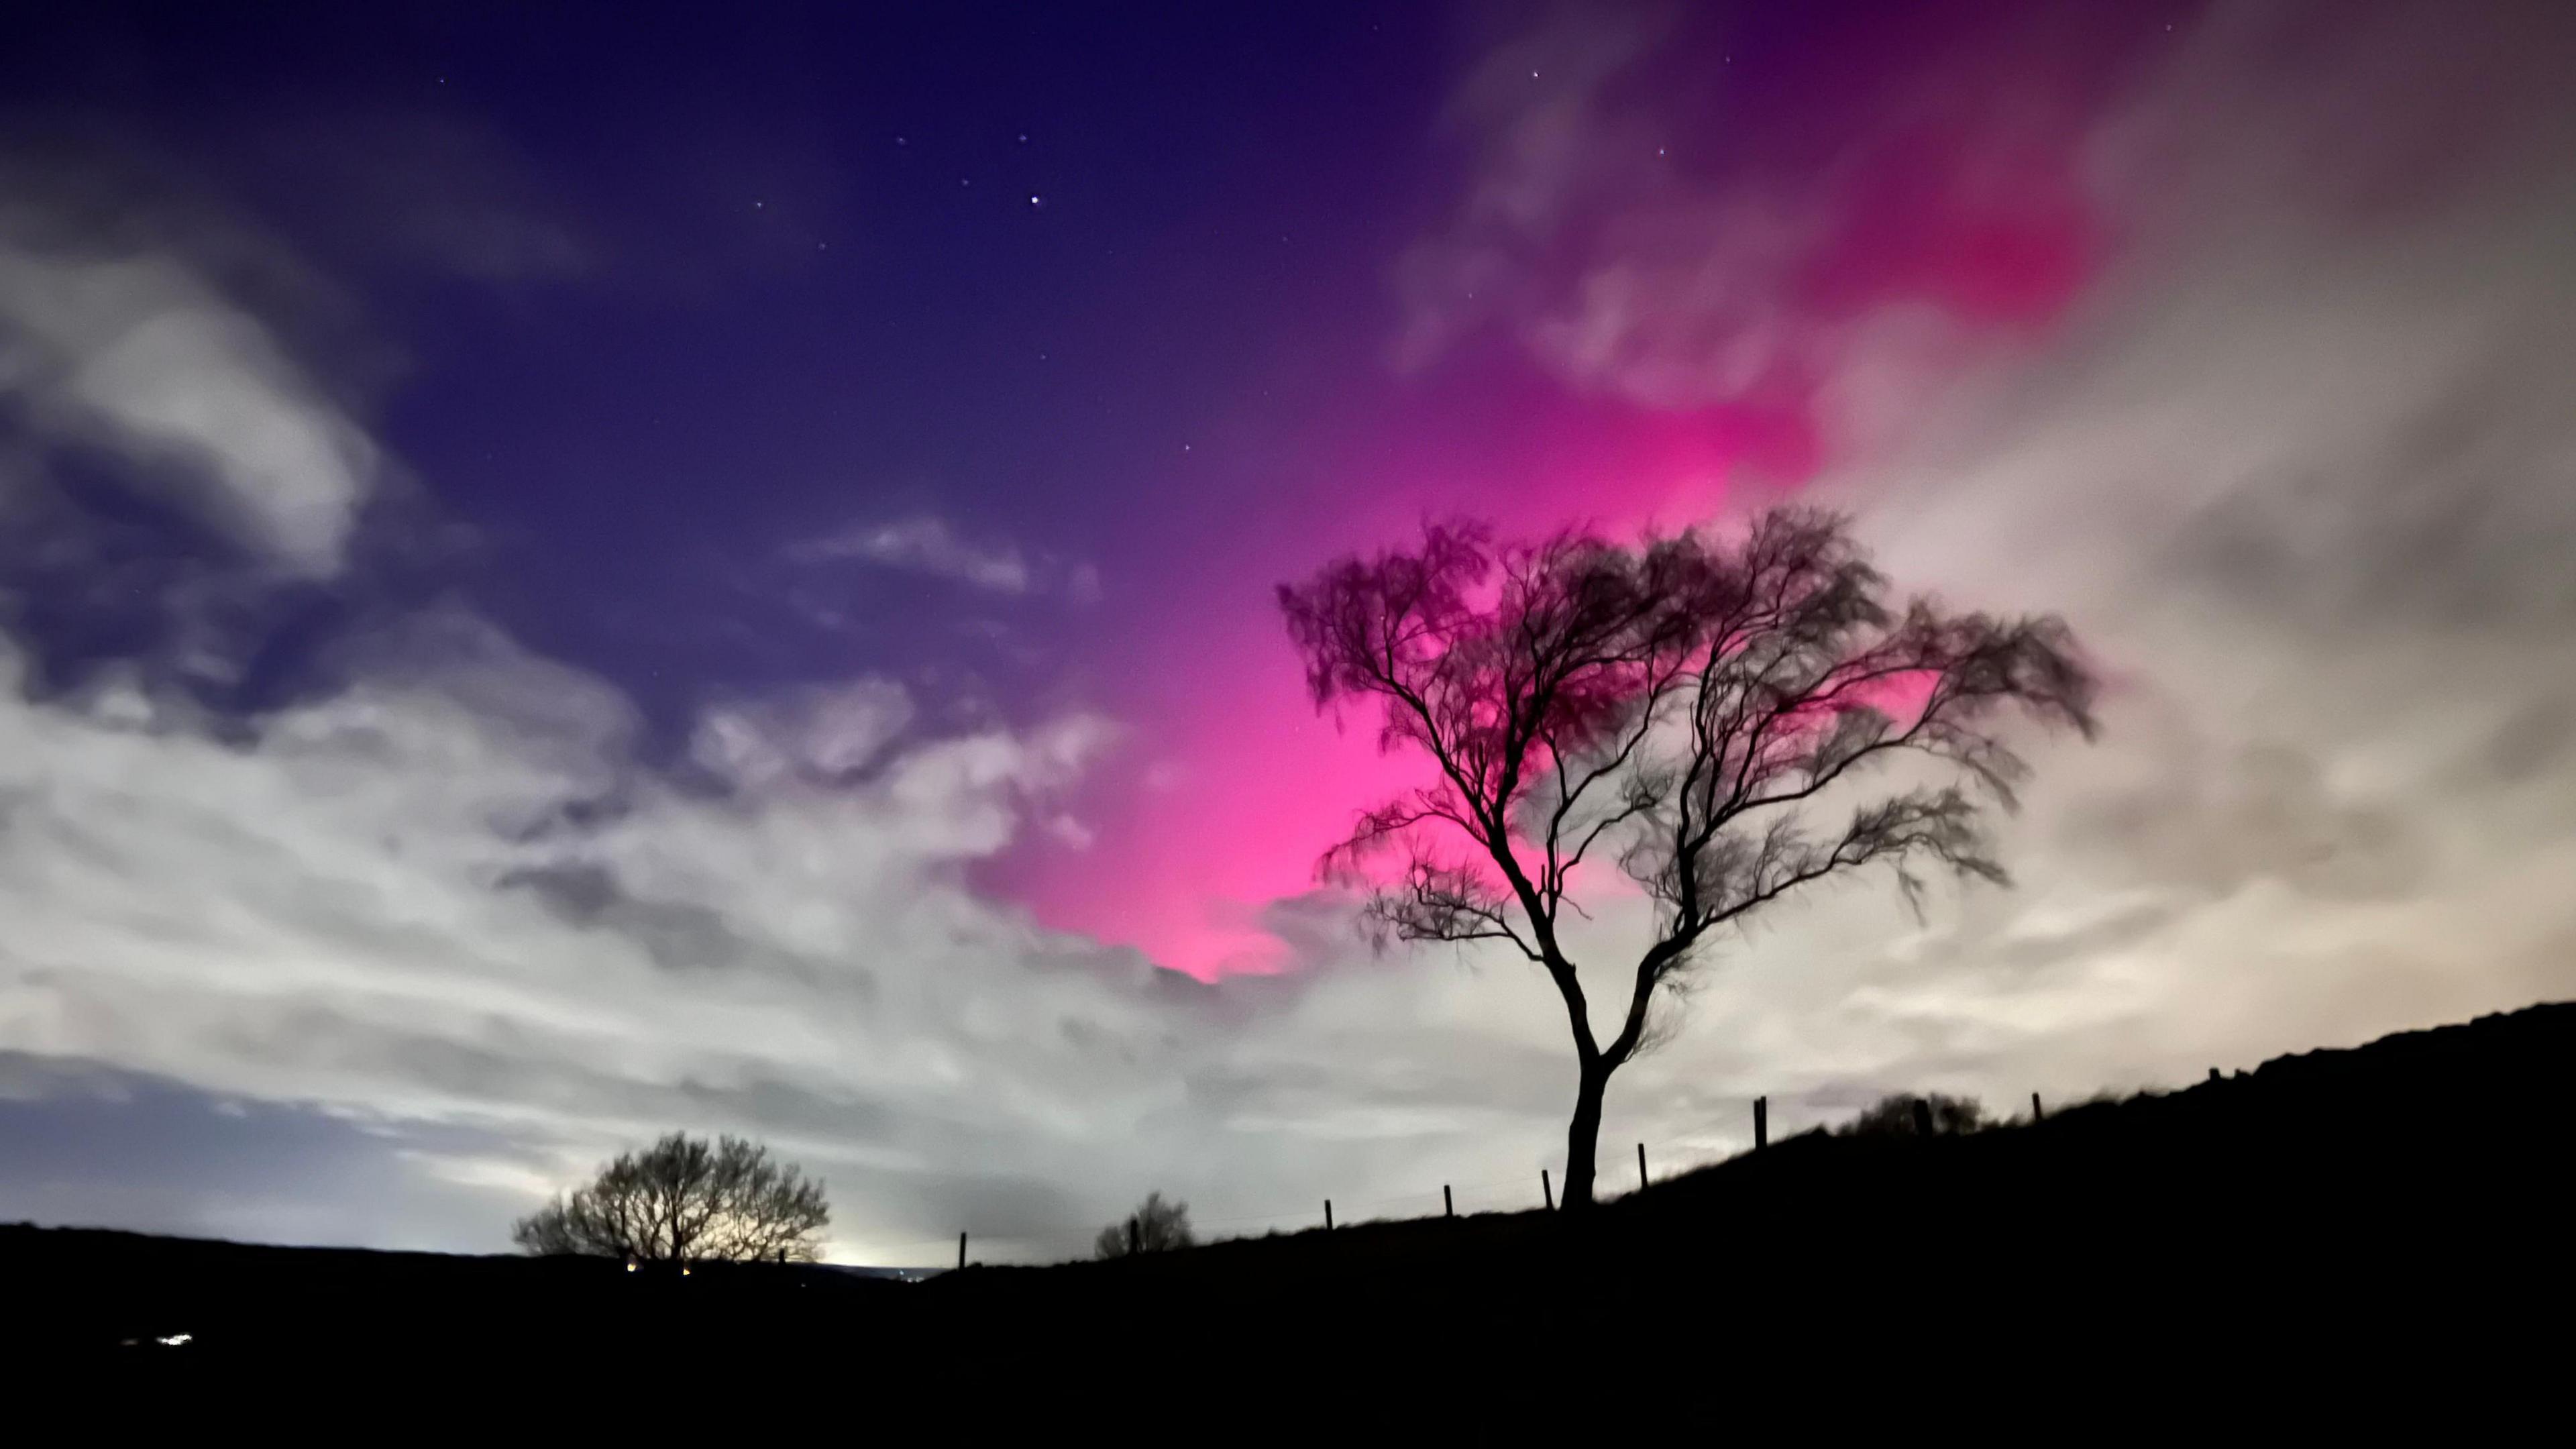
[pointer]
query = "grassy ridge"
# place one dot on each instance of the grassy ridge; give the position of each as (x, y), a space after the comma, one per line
(2385, 1189)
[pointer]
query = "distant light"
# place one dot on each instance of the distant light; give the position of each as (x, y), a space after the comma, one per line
(176, 1339)
(630, 1267)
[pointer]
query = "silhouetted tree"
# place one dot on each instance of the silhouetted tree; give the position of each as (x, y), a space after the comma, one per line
(1155, 1227)
(1673, 705)
(684, 1198)
(1893, 1116)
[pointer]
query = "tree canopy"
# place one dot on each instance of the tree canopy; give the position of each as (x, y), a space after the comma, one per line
(1684, 708)
(685, 1199)
(1154, 1227)
(1894, 1116)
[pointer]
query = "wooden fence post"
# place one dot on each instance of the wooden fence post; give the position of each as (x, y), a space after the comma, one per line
(1448, 1205)
(1922, 1118)
(2036, 1114)
(961, 1250)
(1761, 1123)
(1328, 1215)
(1641, 1167)
(1545, 1191)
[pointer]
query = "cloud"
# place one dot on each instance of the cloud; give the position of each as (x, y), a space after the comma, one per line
(455, 907)
(830, 731)
(1639, 239)
(432, 190)
(927, 545)
(2296, 461)
(89, 1143)
(2301, 468)
(133, 349)
(452, 893)
(2298, 457)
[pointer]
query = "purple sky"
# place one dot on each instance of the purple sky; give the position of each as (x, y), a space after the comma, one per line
(562, 577)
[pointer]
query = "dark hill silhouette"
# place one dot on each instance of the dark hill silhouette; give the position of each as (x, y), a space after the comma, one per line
(2406, 1191)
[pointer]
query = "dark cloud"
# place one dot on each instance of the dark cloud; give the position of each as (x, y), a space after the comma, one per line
(82, 1139)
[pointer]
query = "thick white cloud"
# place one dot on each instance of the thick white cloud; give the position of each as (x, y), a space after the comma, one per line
(452, 899)
(2304, 472)
(451, 892)
(136, 352)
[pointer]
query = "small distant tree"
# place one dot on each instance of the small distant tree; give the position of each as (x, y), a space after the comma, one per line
(1893, 1116)
(684, 1199)
(1156, 1227)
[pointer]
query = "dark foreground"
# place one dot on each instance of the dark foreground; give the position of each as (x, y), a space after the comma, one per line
(2312, 1222)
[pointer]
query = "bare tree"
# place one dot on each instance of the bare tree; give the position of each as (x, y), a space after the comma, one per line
(1155, 1227)
(1674, 706)
(685, 1199)
(1893, 1116)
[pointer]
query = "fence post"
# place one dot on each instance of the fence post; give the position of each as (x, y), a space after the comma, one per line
(1922, 1118)
(1448, 1205)
(2036, 1115)
(961, 1250)
(1761, 1123)
(1545, 1191)
(1328, 1215)
(1135, 1236)
(1641, 1167)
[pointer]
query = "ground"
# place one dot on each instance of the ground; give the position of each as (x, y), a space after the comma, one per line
(2399, 1202)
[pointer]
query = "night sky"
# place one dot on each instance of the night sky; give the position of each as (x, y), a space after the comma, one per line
(570, 571)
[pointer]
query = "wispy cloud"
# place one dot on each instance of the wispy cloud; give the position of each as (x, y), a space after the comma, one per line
(1635, 237)
(927, 544)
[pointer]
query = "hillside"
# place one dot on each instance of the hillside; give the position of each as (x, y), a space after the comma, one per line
(2412, 1181)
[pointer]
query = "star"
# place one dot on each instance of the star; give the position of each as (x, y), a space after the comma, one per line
(1037, 201)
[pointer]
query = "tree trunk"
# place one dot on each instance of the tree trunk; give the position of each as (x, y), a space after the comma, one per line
(1583, 1137)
